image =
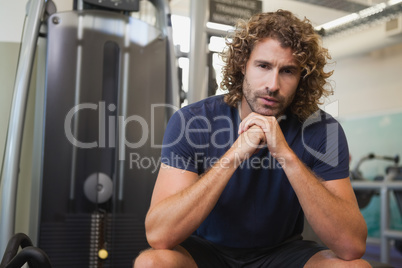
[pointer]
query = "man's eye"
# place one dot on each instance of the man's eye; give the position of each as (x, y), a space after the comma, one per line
(288, 71)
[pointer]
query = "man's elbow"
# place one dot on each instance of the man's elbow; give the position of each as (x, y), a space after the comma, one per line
(353, 253)
(157, 243)
(157, 239)
(352, 250)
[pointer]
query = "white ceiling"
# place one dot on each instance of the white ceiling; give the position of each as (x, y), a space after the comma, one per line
(318, 14)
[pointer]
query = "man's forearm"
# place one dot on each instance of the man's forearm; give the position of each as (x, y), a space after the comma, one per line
(336, 220)
(172, 220)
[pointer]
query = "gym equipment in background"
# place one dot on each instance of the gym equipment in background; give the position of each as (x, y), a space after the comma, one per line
(29, 254)
(364, 196)
(110, 87)
(381, 186)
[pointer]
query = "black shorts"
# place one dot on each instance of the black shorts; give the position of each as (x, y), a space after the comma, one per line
(294, 253)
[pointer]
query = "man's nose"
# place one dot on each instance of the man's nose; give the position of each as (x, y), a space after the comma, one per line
(273, 84)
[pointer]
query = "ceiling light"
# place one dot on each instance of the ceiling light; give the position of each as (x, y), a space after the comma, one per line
(340, 21)
(218, 26)
(394, 2)
(372, 10)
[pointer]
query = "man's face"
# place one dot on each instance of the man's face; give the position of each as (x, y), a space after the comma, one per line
(271, 78)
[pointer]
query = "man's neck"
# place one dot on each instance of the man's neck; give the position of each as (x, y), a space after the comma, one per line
(244, 108)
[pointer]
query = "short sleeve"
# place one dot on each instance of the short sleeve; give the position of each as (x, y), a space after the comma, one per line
(328, 150)
(178, 148)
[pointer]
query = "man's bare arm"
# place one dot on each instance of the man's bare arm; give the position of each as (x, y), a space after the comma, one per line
(181, 200)
(329, 206)
(331, 209)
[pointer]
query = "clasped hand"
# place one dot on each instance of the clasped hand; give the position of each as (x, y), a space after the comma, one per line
(257, 131)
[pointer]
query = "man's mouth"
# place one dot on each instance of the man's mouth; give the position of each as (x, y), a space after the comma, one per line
(269, 101)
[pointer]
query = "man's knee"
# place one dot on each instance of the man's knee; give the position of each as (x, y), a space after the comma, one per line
(364, 263)
(149, 258)
(359, 263)
(164, 258)
(327, 258)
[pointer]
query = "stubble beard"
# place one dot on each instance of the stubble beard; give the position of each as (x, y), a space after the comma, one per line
(252, 101)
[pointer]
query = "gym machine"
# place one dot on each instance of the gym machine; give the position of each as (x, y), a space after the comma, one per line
(110, 86)
(29, 254)
(364, 196)
(381, 186)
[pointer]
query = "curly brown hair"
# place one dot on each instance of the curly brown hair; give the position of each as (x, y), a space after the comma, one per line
(291, 32)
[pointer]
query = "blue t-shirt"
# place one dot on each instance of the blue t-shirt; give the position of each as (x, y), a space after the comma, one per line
(258, 207)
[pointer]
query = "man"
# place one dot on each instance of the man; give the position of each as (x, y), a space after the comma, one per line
(241, 171)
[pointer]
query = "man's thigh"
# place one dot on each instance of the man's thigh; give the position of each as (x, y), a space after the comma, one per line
(204, 253)
(295, 253)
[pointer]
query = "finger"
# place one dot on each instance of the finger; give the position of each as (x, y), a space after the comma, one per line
(247, 118)
(254, 137)
(244, 123)
(259, 121)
